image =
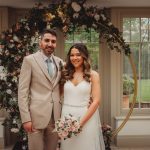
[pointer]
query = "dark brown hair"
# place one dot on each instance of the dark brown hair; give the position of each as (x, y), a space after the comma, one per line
(68, 71)
(50, 31)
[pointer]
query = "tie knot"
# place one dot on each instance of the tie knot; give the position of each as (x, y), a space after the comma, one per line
(49, 60)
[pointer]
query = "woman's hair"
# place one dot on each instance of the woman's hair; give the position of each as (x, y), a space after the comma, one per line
(68, 70)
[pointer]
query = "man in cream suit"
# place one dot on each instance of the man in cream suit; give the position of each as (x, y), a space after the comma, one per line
(38, 94)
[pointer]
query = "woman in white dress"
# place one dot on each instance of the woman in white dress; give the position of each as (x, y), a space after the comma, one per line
(81, 83)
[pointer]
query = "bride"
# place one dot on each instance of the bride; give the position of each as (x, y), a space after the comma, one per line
(80, 83)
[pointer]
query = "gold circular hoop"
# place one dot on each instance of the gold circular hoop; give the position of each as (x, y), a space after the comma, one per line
(115, 132)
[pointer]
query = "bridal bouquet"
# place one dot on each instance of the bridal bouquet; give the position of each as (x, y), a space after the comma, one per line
(67, 127)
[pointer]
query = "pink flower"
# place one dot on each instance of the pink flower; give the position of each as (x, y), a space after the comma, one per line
(67, 127)
(76, 7)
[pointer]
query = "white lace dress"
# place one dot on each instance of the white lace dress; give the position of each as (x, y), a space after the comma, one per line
(76, 99)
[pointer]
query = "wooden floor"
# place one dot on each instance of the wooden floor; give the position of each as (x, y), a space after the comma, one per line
(130, 148)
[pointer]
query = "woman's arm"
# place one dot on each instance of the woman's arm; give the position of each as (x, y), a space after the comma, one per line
(95, 93)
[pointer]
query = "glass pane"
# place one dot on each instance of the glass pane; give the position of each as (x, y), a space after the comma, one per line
(144, 29)
(91, 39)
(126, 29)
(81, 37)
(135, 29)
(126, 65)
(145, 73)
(69, 38)
(94, 55)
(94, 36)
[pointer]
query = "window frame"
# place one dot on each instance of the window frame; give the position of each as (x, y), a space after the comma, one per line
(117, 15)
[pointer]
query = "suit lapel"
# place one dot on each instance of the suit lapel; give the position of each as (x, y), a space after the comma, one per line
(40, 62)
(57, 62)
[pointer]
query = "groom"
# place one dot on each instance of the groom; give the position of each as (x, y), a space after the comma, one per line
(38, 94)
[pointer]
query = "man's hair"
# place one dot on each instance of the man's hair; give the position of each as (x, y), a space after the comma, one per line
(50, 31)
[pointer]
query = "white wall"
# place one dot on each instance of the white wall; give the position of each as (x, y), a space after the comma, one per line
(135, 133)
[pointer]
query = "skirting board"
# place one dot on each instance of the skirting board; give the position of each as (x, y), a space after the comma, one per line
(133, 141)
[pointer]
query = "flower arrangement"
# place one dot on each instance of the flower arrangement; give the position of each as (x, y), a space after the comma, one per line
(67, 127)
(107, 134)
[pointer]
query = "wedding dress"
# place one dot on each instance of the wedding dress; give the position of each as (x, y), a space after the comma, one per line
(76, 100)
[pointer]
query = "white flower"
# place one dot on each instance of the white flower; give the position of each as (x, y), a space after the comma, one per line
(15, 79)
(1, 47)
(84, 5)
(24, 138)
(76, 7)
(75, 15)
(15, 38)
(14, 130)
(94, 25)
(9, 84)
(25, 36)
(7, 52)
(48, 26)
(3, 76)
(14, 121)
(11, 45)
(8, 91)
(109, 23)
(103, 17)
(27, 27)
(24, 147)
(97, 17)
(36, 34)
(84, 26)
(110, 36)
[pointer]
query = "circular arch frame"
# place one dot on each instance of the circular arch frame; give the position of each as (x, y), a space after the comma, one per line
(23, 36)
(116, 131)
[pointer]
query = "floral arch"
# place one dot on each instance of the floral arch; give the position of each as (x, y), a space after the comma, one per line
(22, 38)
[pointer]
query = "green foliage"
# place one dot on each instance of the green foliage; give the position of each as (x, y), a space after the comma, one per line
(128, 85)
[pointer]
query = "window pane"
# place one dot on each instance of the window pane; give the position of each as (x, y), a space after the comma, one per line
(144, 29)
(135, 29)
(145, 73)
(126, 29)
(91, 39)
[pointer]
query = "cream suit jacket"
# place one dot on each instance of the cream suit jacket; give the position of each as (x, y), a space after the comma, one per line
(38, 95)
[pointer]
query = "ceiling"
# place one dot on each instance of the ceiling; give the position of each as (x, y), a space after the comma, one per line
(100, 3)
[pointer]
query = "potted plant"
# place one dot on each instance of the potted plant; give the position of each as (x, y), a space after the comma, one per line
(128, 89)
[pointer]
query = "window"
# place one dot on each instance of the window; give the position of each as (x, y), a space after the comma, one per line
(91, 39)
(136, 32)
